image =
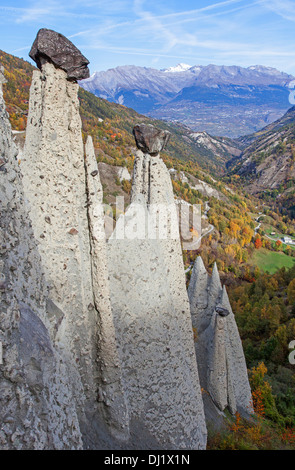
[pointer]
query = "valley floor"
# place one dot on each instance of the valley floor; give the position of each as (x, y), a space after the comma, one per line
(271, 261)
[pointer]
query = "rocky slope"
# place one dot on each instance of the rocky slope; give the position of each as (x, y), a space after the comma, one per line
(267, 164)
(218, 149)
(286, 120)
(222, 100)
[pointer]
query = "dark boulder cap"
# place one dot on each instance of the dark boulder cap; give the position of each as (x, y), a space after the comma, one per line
(150, 139)
(50, 46)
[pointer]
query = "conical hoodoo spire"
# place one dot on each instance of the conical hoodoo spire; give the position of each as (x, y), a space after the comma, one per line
(37, 405)
(56, 181)
(214, 288)
(219, 352)
(151, 308)
(197, 286)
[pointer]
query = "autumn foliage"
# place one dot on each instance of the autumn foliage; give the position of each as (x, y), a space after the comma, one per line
(260, 433)
(258, 243)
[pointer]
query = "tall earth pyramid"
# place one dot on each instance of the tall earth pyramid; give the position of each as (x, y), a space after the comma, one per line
(151, 308)
(37, 407)
(59, 186)
(221, 360)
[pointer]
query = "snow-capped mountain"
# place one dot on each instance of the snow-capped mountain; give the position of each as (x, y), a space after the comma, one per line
(222, 100)
(178, 68)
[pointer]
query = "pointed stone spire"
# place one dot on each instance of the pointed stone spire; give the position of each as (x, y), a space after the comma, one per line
(197, 290)
(240, 395)
(223, 307)
(224, 300)
(56, 179)
(215, 279)
(219, 352)
(34, 369)
(214, 288)
(204, 292)
(151, 309)
(217, 367)
(111, 392)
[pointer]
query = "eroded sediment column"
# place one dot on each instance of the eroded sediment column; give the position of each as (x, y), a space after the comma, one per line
(221, 361)
(151, 308)
(111, 391)
(56, 190)
(37, 409)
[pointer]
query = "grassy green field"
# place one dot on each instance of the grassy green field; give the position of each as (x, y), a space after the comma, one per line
(271, 261)
(268, 227)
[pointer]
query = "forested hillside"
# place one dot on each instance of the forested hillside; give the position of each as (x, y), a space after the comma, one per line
(266, 166)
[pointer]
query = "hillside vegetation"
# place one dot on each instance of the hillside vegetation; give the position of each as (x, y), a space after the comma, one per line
(267, 165)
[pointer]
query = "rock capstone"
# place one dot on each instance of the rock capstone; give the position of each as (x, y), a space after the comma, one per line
(150, 139)
(50, 46)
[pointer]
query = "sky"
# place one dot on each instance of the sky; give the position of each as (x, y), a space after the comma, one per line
(160, 33)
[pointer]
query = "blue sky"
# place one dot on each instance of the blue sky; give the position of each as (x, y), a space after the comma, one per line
(159, 33)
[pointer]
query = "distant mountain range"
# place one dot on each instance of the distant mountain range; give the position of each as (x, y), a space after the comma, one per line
(111, 124)
(221, 100)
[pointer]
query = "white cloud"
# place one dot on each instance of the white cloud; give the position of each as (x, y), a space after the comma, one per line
(216, 32)
(25, 48)
(198, 10)
(283, 8)
(33, 14)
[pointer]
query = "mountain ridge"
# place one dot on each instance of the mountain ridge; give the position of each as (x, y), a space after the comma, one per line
(266, 164)
(205, 98)
(109, 123)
